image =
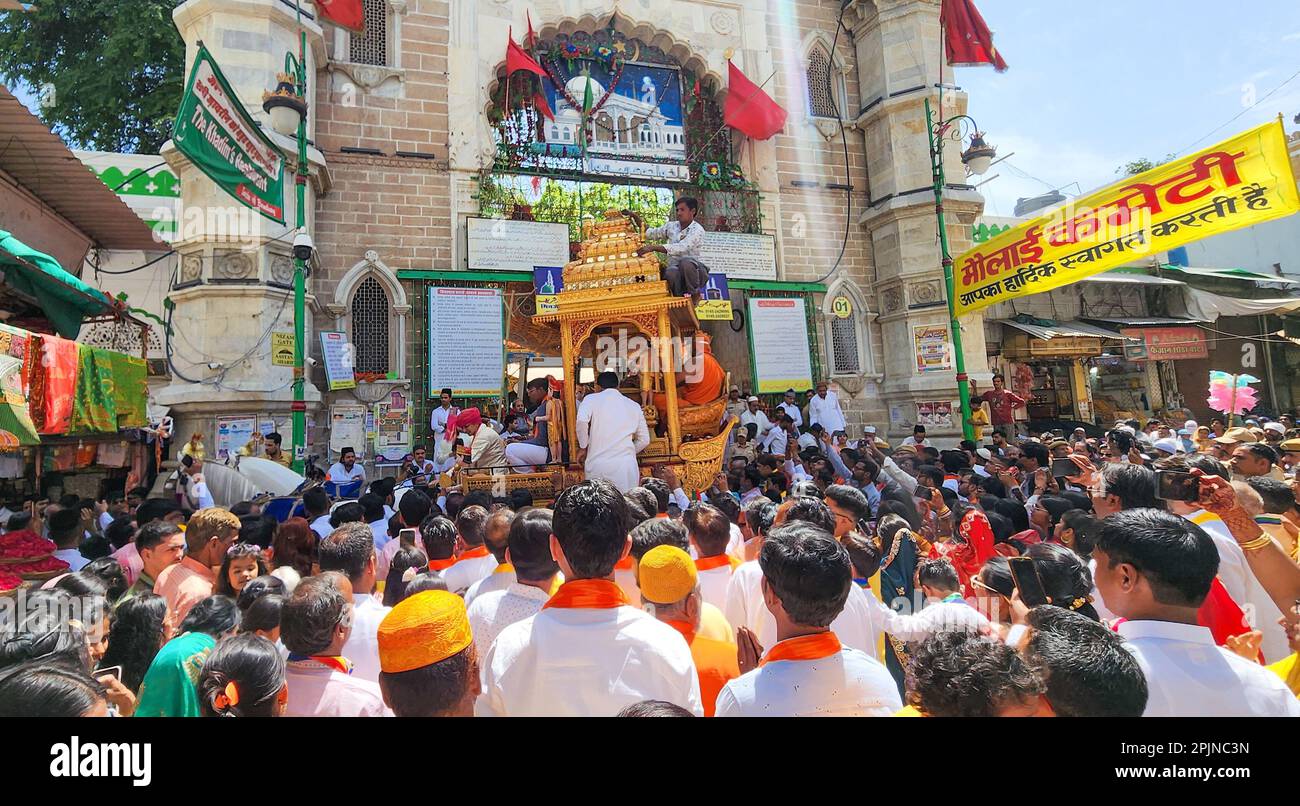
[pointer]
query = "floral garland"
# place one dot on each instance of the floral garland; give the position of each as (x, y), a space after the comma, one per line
(553, 72)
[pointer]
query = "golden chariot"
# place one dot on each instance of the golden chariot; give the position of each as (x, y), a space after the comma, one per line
(612, 292)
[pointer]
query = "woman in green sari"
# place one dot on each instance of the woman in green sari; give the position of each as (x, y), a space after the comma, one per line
(170, 687)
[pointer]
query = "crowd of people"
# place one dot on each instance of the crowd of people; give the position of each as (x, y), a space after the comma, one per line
(1150, 572)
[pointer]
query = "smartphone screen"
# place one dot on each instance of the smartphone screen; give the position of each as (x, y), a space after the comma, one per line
(1064, 467)
(1027, 581)
(116, 671)
(408, 536)
(1174, 486)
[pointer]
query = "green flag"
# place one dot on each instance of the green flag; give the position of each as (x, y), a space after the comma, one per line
(586, 95)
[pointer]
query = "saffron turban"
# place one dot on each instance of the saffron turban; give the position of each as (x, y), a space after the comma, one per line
(420, 631)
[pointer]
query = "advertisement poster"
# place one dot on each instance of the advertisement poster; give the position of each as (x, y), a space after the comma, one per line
(548, 281)
(464, 323)
(1165, 343)
(778, 340)
(936, 414)
(392, 429)
(216, 133)
(933, 348)
(715, 300)
(234, 433)
(337, 353)
(281, 349)
(347, 428)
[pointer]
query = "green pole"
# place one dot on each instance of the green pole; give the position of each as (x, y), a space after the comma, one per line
(936, 165)
(300, 271)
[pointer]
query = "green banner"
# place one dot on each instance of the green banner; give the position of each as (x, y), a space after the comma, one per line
(215, 131)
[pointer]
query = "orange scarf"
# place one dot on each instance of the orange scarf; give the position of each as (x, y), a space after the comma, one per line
(504, 568)
(442, 565)
(474, 553)
(587, 593)
(716, 561)
(624, 564)
(805, 647)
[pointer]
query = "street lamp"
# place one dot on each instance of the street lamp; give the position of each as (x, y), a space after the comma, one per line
(287, 109)
(977, 159)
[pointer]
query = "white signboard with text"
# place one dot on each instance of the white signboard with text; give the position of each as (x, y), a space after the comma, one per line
(503, 245)
(740, 256)
(778, 334)
(466, 341)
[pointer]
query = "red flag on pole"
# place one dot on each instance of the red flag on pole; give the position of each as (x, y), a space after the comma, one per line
(531, 39)
(345, 13)
(539, 101)
(967, 38)
(750, 110)
(517, 59)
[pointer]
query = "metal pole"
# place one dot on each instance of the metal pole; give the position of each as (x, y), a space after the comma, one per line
(300, 269)
(936, 165)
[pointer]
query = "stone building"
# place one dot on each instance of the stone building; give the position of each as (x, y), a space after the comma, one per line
(410, 142)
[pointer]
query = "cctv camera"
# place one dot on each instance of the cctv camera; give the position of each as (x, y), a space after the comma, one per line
(214, 365)
(303, 246)
(310, 361)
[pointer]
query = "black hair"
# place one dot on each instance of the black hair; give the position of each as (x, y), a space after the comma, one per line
(471, 524)
(348, 550)
(110, 572)
(661, 492)
(1123, 440)
(315, 501)
(79, 584)
(351, 512)
(152, 534)
(256, 668)
(1176, 556)
(1085, 665)
(345, 451)
(954, 461)
(932, 472)
(135, 637)
(47, 690)
(439, 537)
(1277, 495)
(1015, 512)
(996, 574)
(275, 437)
(607, 380)
(811, 510)
(648, 708)
(154, 509)
(1036, 451)
(1084, 526)
(1066, 577)
(414, 506)
(406, 558)
(476, 498)
(1263, 451)
(263, 614)
(768, 460)
(1001, 526)
(1056, 507)
(1134, 485)
(431, 690)
(708, 527)
(242, 509)
(641, 504)
(120, 531)
(427, 581)
(530, 546)
(959, 673)
(993, 486)
(940, 574)
(690, 202)
(372, 506)
(759, 514)
(308, 620)
(808, 571)
(591, 524)
(258, 530)
(520, 498)
(658, 532)
(214, 616)
(727, 504)
(850, 499)
(257, 587)
(1078, 498)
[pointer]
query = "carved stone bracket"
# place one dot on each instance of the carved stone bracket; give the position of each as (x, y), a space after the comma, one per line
(367, 76)
(374, 391)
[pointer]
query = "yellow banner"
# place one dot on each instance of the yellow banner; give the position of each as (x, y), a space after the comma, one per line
(1237, 183)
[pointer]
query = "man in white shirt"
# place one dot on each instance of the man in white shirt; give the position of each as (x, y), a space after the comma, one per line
(473, 560)
(778, 439)
(66, 532)
(350, 550)
(611, 432)
(346, 469)
(790, 405)
(529, 587)
(114, 507)
(497, 537)
(918, 439)
(373, 507)
(807, 578)
(684, 238)
(1154, 570)
(589, 652)
(945, 609)
(317, 505)
(758, 418)
(438, 424)
(824, 409)
(709, 533)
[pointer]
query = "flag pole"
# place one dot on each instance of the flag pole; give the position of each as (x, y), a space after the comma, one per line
(299, 406)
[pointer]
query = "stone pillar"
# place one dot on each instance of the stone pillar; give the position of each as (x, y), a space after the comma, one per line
(900, 59)
(234, 287)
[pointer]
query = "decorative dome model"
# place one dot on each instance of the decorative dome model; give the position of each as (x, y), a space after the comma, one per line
(608, 259)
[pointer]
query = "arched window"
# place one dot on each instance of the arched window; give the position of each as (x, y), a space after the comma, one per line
(825, 85)
(848, 338)
(370, 315)
(371, 46)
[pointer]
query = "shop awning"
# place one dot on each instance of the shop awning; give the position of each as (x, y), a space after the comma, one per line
(1131, 278)
(65, 299)
(1230, 274)
(1059, 329)
(1147, 321)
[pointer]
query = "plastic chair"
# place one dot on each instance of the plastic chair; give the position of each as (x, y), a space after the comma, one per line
(280, 508)
(344, 490)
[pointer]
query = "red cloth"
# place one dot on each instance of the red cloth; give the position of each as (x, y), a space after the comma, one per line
(348, 14)
(1002, 405)
(539, 101)
(517, 59)
(58, 368)
(750, 110)
(1221, 614)
(967, 38)
(969, 554)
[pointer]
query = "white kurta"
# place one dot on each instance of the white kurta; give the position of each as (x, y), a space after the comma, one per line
(362, 647)
(933, 618)
(792, 410)
(1187, 675)
(613, 430)
(826, 412)
(587, 662)
(858, 625)
(492, 582)
(759, 419)
(847, 683)
(493, 611)
(713, 585)
(468, 571)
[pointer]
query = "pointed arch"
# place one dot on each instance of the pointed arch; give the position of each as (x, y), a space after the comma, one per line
(375, 309)
(848, 339)
(824, 78)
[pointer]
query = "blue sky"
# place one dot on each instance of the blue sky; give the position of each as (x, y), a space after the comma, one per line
(1091, 86)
